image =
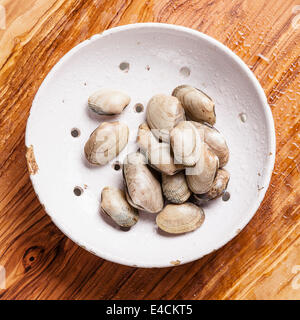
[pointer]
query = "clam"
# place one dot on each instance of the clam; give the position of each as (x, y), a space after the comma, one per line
(216, 142)
(186, 143)
(200, 178)
(143, 190)
(106, 142)
(198, 106)
(114, 204)
(108, 101)
(175, 188)
(163, 113)
(158, 154)
(219, 186)
(180, 218)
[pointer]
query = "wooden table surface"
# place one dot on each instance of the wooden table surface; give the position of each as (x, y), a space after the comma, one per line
(262, 262)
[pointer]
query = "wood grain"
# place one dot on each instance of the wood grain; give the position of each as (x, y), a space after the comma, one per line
(262, 262)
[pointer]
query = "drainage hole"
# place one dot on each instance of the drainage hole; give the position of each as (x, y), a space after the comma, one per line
(75, 132)
(78, 191)
(185, 71)
(124, 66)
(117, 166)
(139, 108)
(226, 196)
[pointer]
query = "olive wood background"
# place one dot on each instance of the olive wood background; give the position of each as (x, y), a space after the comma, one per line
(262, 262)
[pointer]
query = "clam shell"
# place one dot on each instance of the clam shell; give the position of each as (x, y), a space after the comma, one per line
(200, 178)
(175, 188)
(197, 105)
(114, 204)
(186, 143)
(180, 218)
(108, 101)
(158, 154)
(215, 141)
(163, 113)
(143, 191)
(219, 186)
(106, 142)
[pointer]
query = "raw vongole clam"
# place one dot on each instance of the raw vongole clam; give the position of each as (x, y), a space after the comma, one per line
(201, 177)
(143, 190)
(215, 141)
(197, 105)
(219, 186)
(175, 188)
(180, 218)
(158, 154)
(108, 101)
(163, 113)
(106, 142)
(114, 204)
(186, 143)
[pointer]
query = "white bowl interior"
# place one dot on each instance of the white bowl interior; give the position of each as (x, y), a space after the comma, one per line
(155, 54)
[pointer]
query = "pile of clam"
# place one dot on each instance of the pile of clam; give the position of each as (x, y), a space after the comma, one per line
(179, 164)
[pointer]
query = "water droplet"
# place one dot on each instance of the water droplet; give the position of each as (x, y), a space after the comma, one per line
(243, 117)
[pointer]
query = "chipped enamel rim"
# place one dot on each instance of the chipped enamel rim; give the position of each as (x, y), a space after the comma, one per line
(269, 123)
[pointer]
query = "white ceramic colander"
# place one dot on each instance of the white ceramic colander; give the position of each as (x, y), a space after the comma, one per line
(143, 60)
